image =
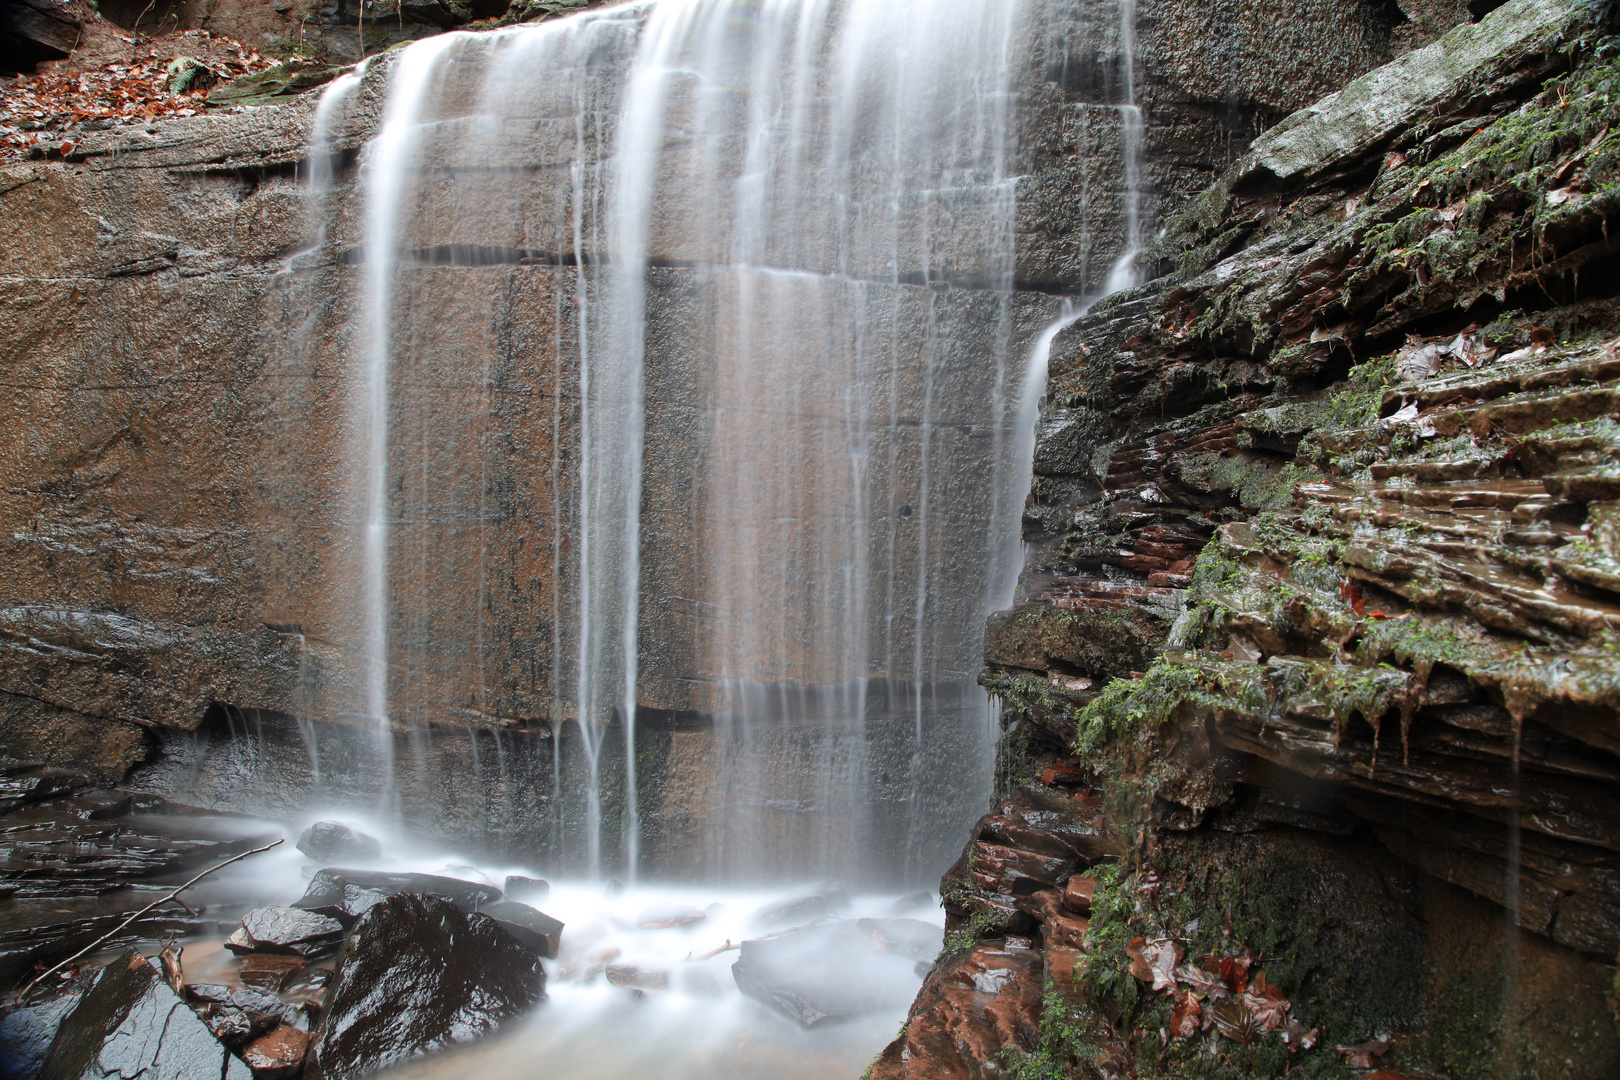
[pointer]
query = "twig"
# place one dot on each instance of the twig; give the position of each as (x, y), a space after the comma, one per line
(161, 900)
(727, 947)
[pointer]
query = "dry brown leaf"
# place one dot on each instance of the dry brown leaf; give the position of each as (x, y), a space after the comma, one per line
(1155, 961)
(1296, 1037)
(1184, 1020)
(1236, 1022)
(1201, 981)
(1266, 1002)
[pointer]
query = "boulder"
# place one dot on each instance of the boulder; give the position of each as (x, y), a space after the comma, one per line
(331, 841)
(266, 1010)
(828, 900)
(346, 895)
(26, 1033)
(534, 928)
(130, 1023)
(526, 889)
(291, 930)
(822, 973)
(416, 975)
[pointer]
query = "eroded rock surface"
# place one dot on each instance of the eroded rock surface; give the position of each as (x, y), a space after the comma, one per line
(346, 895)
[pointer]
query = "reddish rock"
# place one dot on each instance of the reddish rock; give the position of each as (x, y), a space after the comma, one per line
(1078, 892)
(277, 1055)
(271, 973)
(971, 1008)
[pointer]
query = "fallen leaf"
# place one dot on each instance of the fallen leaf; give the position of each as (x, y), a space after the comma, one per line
(1154, 961)
(1361, 1057)
(1417, 359)
(1542, 337)
(1233, 970)
(1236, 1022)
(1201, 981)
(1351, 592)
(1184, 1020)
(1242, 650)
(1266, 1002)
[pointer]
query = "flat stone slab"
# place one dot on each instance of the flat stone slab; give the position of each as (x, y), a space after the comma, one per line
(346, 895)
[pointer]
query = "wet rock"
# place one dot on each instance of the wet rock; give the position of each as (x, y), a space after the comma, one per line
(100, 805)
(346, 895)
(419, 974)
(264, 1008)
(129, 1023)
(669, 917)
(911, 938)
(28, 783)
(823, 973)
(232, 1026)
(829, 900)
(534, 928)
(333, 841)
(628, 977)
(526, 890)
(278, 1054)
(291, 930)
(972, 1007)
(26, 1033)
(271, 973)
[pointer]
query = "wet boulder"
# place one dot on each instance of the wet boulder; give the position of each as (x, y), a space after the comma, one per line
(825, 973)
(416, 975)
(532, 927)
(271, 972)
(828, 900)
(333, 841)
(288, 930)
(130, 1023)
(346, 895)
(266, 1010)
(527, 890)
(26, 1033)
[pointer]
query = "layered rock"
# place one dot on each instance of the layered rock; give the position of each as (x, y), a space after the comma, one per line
(1324, 612)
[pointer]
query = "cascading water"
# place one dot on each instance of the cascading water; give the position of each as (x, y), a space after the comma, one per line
(751, 265)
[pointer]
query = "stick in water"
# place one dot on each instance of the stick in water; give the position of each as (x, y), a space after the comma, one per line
(161, 900)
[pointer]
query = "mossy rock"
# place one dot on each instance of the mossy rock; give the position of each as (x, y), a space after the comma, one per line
(275, 85)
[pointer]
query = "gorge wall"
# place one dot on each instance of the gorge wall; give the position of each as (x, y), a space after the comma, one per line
(180, 529)
(1312, 690)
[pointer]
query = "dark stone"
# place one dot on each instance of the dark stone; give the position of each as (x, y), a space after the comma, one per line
(28, 783)
(332, 840)
(130, 1023)
(526, 889)
(272, 972)
(262, 1007)
(346, 895)
(823, 973)
(534, 928)
(292, 930)
(419, 974)
(25, 1036)
(830, 899)
(232, 1026)
(100, 805)
(911, 938)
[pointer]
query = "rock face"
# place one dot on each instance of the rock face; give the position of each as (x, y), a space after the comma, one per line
(1353, 454)
(418, 974)
(130, 1023)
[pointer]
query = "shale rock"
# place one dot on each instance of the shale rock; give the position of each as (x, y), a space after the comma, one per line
(346, 895)
(291, 930)
(526, 890)
(824, 973)
(130, 1023)
(278, 1054)
(266, 1010)
(333, 841)
(416, 975)
(828, 900)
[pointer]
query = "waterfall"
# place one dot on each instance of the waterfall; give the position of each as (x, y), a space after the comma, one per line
(758, 255)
